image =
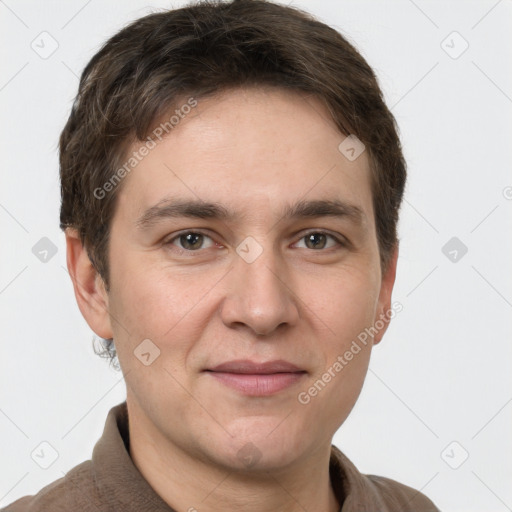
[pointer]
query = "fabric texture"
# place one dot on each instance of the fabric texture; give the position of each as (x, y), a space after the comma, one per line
(111, 482)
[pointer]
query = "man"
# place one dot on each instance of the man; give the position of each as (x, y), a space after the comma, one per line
(231, 181)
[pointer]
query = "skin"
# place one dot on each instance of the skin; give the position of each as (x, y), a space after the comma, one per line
(252, 150)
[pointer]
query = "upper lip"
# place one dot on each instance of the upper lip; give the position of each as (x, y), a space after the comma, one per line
(251, 367)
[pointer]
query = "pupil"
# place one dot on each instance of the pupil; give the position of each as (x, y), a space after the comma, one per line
(191, 240)
(314, 236)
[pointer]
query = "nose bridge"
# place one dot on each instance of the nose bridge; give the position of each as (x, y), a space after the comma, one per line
(258, 295)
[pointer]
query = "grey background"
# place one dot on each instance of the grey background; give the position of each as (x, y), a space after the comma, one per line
(439, 386)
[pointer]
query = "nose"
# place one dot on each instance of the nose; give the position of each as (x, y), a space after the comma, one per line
(259, 295)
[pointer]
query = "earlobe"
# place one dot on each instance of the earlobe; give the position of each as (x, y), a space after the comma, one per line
(382, 317)
(90, 292)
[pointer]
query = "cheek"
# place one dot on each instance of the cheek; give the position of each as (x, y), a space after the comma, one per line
(145, 306)
(346, 301)
(150, 305)
(343, 306)
(158, 302)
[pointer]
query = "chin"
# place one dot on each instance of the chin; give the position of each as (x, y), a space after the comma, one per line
(259, 446)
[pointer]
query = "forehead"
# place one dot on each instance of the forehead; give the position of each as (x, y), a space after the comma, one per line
(249, 149)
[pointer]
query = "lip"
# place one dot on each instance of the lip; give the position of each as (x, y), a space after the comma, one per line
(257, 379)
(251, 367)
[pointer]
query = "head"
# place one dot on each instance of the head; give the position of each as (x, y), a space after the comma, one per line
(210, 210)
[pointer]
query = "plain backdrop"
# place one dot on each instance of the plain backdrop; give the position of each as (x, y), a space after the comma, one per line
(436, 409)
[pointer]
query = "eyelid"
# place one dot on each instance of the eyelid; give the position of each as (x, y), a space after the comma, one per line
(175, 236)
(340, 239)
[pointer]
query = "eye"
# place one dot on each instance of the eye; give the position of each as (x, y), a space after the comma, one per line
(193, 241)
(319, 239)
(190, 241)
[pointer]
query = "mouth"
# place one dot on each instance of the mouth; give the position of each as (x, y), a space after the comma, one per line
(257, 379)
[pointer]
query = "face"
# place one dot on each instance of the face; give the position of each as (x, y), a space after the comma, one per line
(281, 264)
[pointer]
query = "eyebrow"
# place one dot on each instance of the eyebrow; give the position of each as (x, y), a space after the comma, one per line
(177, 208)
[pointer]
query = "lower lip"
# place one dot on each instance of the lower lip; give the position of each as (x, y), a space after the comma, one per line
(258, 384)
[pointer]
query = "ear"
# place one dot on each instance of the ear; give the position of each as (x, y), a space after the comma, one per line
(90, 292)
(384, 304)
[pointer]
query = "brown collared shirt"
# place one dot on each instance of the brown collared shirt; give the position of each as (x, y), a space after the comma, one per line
(111, 482)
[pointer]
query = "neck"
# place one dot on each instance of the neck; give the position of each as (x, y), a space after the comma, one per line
(187, 483)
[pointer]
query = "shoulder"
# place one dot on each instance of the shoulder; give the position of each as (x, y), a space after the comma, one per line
(73, 491)
(371, 491)
(398, 496)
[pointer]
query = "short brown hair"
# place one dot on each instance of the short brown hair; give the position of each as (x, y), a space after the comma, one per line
(205, 48)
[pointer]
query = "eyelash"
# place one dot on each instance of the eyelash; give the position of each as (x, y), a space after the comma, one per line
(181, 250)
